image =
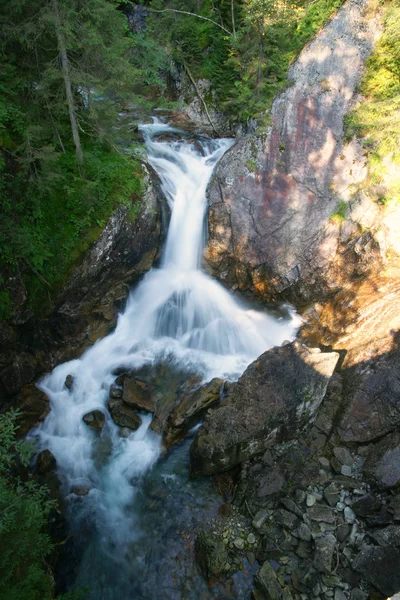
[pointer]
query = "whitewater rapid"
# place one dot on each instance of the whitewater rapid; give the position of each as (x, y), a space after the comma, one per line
(176, 314)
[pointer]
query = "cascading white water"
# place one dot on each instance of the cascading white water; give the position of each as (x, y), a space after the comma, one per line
(177, 313)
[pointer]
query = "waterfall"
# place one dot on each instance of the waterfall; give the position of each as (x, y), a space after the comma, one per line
(177, 314)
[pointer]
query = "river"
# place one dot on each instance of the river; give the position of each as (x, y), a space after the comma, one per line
(132, 533)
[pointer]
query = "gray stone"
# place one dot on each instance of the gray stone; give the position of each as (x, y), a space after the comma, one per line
(349, 515)
(239, 543)
(395, 507)
(320, 512)
(325, 546)
(339, 595)
(343, 455)
(260, 517)
(380, 567)
(324, 462)
(303, 532)
(310, 500)
(268, 584)
(343, 532)
(346, 470)
(374, 405)
(292, 506)
(382, 465)
(251, 538)
(285, 518)
(357, 594)
(389, 536)
(274, 401)
(331, 494)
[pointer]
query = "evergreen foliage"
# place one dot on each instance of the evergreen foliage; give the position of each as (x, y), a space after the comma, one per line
(376, 120)
(51, 205)
(24, 507)
(249, 67)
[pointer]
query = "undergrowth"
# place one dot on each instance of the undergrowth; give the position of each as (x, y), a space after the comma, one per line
(376, 121)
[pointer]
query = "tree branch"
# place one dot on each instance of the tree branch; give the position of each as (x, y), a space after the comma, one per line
(200, 96)
(185, 12)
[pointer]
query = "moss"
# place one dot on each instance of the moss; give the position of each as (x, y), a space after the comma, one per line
(340, 214)
(251, 165)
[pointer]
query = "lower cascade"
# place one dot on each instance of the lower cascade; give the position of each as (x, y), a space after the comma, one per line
(178, 317)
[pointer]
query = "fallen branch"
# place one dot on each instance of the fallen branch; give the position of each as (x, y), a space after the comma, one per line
(200, 97)
(185, 12)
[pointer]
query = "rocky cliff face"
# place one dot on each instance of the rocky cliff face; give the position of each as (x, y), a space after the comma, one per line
(86, 307)
(288, 213)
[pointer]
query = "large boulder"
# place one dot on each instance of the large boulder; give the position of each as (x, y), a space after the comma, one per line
(275, 400)
(373, 400)
(284, 204)
(382, 465)
(138, 395)
(381, 567)
(124, 415)
(191, 410)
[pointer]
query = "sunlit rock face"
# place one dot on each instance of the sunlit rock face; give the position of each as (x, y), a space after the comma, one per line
(284, 206)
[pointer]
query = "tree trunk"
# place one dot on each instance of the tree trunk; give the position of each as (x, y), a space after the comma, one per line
(233, 17)
(62, 47)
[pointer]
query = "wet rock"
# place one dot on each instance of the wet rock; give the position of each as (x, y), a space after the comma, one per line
(138, 395)
(69, 381)
(115, 391)
(11, 379)
(33, 406)
(94, 419)
(389, 536)
(125, 432)
(191, 410)
(382, 465)
(211, 555)
(80, 490)
(267, 583)
(325, 546)
(380, 567)
(45, 462)
(275, 400)
(123, 415)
